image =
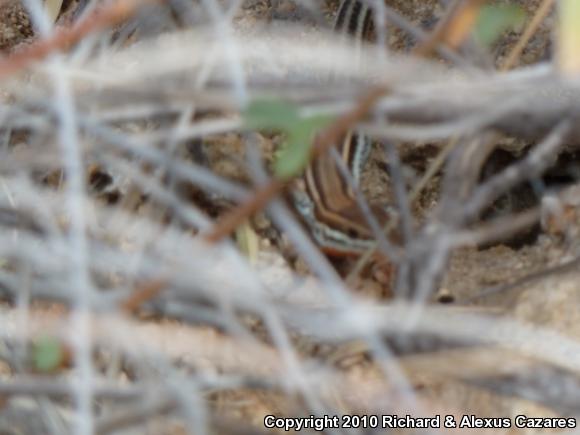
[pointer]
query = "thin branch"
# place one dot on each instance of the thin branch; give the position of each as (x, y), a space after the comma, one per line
(326, 139)
(108, 16)
(516, 51)
(535, 163)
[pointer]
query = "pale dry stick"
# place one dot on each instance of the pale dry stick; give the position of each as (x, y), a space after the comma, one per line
(450, 323)
(386, 359)
(78, 276)
(545, 385)
(141, 340)
(282, 341)
(80, 281)
(461, 124)
(138, 111)
(432, 251)
(58, 389)
(468, 125)
(512, 57)
(227, 354)
(436, 165)
(324, 141)
(151, 265)
(207, 67)
(224, 31)
(42, 15)
(196, 130)
(387, 363)
(421, 36)
(538, 159)
(502, 372)
(210, 56)
(400, 192)
(201, 345)
(429, 254)
(380, 19)
(510, 60)
(108, 16)
(171, 151)
(433, 111)
(517, 50)
(189, 394)
(83, 415)
(498, 229)
(433, 168)
(196, 174)
(285, 220)
(189, 279)
(85, 422)
(140, 413)
(184, 392)
(568, 267)
(11, 216)
(333, 284)
(468, 363)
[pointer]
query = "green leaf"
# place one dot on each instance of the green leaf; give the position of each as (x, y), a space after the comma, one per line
(493, 20)
(294, 156)
(296, 152)
(47, 354)
(300, 131)
(270, 114)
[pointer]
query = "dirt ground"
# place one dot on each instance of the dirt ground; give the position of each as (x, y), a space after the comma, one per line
(516, 278)
(520, 280)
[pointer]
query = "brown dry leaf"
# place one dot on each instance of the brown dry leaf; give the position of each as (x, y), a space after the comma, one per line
(143, 293)
(461, 23)
(455, 28)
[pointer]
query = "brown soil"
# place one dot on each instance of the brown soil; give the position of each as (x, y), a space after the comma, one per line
(474, 277)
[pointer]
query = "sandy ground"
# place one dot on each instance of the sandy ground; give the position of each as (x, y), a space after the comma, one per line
(476, 277)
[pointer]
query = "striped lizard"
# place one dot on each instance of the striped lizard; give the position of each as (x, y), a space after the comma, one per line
(328, 204)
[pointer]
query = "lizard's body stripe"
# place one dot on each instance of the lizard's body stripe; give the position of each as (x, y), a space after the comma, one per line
(328, 206)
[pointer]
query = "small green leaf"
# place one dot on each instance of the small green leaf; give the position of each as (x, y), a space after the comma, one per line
(493, 20)
(47, 354)
(300, 131)
(270, 114)
(296, 153)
